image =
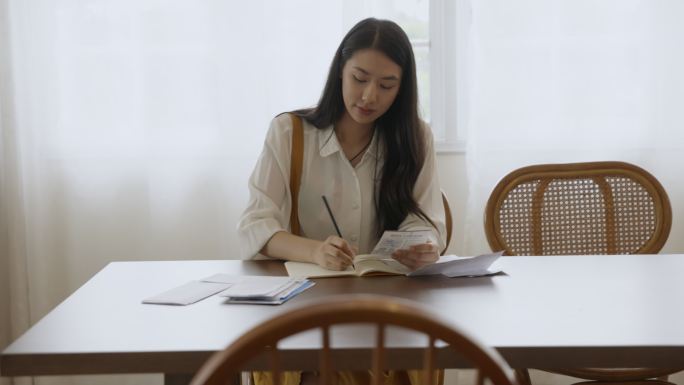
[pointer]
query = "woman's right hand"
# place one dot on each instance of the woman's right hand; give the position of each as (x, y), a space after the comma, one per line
(333, 254)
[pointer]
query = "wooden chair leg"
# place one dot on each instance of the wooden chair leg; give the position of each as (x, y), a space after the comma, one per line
(523, 376)
(480, 378)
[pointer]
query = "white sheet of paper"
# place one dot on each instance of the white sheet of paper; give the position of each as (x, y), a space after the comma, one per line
(253, 286)
(453, 266)
(222, 278)
(395, 240)
(187, 294)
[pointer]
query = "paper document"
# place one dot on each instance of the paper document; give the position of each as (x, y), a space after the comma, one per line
(188, 293)
(251, 286)
(453, 266)
(392, 241)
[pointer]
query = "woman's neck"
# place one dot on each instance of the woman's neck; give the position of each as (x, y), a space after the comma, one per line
(352, 134)
(354, 138)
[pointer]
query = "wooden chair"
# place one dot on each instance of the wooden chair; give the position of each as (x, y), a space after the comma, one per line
(448, 221)
(580, 208)
(377, 311)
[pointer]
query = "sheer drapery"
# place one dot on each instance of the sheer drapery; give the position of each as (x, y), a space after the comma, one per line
(556, 81)
(129, 129)
(14, 313)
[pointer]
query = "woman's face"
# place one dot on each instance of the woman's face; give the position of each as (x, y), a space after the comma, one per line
(370, 83)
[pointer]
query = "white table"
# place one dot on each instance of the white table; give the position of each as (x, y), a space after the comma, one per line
(546, 312)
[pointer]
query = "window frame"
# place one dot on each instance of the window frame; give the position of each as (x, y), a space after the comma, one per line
(445, 89)
(448, 22)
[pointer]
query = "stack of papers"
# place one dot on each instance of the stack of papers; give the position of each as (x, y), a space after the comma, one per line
(260, 290)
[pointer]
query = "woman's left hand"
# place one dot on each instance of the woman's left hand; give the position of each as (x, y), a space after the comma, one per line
(417, 256)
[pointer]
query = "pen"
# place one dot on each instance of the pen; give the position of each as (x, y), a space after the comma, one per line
(332, 217)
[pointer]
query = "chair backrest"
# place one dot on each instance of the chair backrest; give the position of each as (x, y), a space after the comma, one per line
(578, 208)
(448, 221)
(378, 311)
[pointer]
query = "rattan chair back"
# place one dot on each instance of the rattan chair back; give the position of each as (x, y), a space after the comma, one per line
(578, 208)
(378, 311)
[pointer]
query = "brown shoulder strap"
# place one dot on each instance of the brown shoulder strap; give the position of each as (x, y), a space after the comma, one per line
(296, 161)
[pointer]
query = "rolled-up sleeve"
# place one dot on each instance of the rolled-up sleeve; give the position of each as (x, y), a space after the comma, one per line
(428, 196)
(268, 210)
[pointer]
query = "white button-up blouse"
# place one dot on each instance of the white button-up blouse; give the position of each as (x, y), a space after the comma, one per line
(327, 172)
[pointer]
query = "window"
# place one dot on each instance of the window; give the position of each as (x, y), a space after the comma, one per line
(179, 69)
(432, 28)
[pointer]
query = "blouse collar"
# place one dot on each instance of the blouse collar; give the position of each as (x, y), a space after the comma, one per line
(328, 143)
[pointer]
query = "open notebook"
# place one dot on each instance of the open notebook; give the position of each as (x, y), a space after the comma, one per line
(367, 265)
(377, 262)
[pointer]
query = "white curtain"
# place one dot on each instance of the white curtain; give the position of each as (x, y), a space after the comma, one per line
(14, 314)
(555, 81)
(129, 129)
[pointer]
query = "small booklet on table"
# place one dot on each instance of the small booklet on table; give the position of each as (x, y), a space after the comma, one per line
(260, 290)
(380, 262)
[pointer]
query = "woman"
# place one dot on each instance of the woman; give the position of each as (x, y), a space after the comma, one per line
(365, 149)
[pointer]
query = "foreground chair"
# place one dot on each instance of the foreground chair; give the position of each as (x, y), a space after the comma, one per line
(378, 311)
(580, 208)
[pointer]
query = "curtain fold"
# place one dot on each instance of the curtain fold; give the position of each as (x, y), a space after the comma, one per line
(14, 295)
(560, 81)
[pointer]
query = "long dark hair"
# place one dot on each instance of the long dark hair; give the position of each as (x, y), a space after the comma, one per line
(399, 128)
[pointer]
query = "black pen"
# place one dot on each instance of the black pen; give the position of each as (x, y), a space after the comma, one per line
(327, 206)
